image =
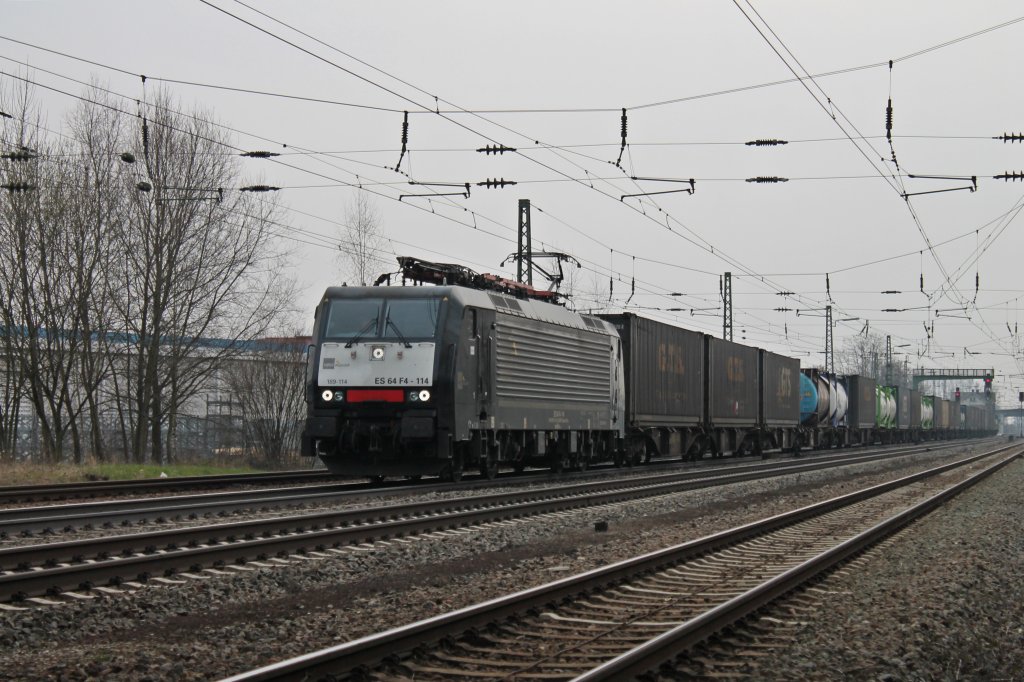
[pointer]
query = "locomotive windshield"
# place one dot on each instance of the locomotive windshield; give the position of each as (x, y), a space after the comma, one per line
(375, 318)
(412, 318)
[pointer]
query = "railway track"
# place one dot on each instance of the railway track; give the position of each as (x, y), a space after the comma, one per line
(83, 489)
(33, 494)
(645, 613)
(66, 518)
(55, 568)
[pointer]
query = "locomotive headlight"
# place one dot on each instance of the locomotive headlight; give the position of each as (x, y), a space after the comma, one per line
(377, 353)
(424, 396)
(327, 395)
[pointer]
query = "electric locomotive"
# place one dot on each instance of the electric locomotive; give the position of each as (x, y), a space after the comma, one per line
(474, 372)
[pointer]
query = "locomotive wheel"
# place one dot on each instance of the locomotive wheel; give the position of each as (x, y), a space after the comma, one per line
(455, 468)
(377, 480)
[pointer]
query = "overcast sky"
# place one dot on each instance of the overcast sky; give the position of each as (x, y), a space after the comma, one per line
(698, 80)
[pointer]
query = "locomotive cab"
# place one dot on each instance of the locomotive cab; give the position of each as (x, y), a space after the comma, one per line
(372, 386)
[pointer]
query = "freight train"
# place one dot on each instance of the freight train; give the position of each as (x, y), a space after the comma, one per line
(481, 372)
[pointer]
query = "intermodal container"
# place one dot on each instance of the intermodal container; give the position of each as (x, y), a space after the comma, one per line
(780, 394)
(664, 369)
(903, 410)
(915, 408)
(732, 383)
(861, 392)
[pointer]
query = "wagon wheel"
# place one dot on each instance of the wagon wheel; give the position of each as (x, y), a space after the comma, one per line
(559, 459)
(489, 466)
(583, 461)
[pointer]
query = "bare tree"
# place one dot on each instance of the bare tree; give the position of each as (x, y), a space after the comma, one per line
(99, 210)
(200, 275)
(864, 354)
(269, 381)
(12, 332)
(361, 250)
(55, 269)
(12, 388)
(40, 272)
(587, 290)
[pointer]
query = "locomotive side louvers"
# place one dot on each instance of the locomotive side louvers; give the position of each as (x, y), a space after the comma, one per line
(542, 363)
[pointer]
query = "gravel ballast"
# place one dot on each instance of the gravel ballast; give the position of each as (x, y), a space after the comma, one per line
(202, 629)
(941, 600)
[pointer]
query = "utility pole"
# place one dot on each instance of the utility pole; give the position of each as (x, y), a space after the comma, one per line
(525, 260)
(888, 360)
(727, 307)
(830, 361)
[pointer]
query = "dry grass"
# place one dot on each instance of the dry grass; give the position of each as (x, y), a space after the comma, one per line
(30, 473)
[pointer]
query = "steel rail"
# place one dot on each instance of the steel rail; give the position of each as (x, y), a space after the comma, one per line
(668, 645)
(49, 491)
(82, 564)
(66, 517)
(372, 650)
(80, 489)
(372, 523)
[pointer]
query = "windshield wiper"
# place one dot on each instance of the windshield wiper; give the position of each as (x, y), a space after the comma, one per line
(362, 332)
(398, 332)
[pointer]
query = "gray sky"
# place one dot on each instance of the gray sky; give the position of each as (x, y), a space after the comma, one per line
(551, 79)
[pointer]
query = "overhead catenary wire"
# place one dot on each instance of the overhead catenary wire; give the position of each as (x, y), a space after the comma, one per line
(544, 180)
(237, 149)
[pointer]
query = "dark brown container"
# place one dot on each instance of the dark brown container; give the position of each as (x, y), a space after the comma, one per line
(861, 392)
(664, 368)
(903, 409)
(732, 383)
(780, 398)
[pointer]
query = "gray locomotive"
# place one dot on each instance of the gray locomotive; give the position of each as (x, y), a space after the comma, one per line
(433, 380)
